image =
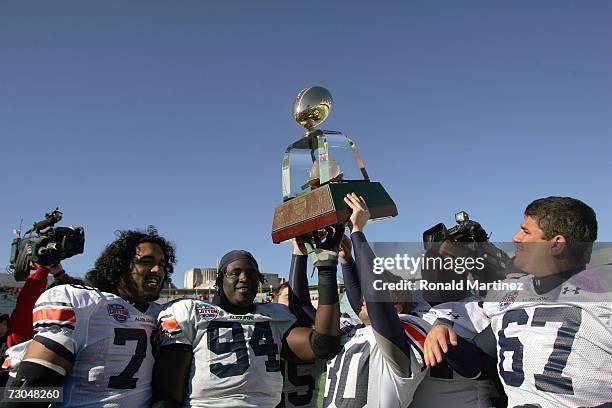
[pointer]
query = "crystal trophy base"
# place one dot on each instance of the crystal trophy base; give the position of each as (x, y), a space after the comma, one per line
(325, 206)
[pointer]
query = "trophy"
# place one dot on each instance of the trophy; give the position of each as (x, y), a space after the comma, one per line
(319, 170)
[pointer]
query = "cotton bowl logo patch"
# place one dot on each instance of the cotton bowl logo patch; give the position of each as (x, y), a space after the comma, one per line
(207, 312)
(118, 312)
(507, 300)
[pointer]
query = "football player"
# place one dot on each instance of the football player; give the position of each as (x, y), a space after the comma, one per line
(381, 363)
(95, 341)
(552, 331)
(300, 379)
(226, 353)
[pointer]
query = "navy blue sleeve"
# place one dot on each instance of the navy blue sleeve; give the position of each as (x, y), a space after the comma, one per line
(381, 311)
(466, 359)
(352, 286)
(299, 295)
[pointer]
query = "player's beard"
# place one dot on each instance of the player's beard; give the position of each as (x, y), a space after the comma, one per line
(142, 292)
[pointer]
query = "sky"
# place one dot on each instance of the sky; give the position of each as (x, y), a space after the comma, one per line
(127, 114)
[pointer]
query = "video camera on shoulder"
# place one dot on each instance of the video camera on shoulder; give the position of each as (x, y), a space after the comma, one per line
(45, 244)
(466, 230)
(475, 239)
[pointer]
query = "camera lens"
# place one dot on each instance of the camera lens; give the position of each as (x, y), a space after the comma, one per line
(438, 237)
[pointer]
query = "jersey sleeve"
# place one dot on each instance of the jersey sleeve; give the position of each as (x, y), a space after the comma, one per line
(466, 317)
(299, 295)
(14, 356)
(177, 323)
(61, 317)
(352, 286)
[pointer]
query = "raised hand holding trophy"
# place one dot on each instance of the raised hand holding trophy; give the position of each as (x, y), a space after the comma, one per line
(318, 171)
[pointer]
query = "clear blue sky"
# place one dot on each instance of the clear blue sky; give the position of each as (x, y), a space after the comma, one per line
(127, 114)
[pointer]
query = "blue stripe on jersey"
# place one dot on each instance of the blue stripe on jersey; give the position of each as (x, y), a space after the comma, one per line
(56, 348)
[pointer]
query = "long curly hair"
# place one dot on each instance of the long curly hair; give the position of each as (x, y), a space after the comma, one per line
(117, 257)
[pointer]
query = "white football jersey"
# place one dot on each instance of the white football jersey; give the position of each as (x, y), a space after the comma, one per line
(554, 349)
(13, 357)
(361, 375)
(108, 341)
(300, 383)
(443, 386)
(236, 357)
(301, 380)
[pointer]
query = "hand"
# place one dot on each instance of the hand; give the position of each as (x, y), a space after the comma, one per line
(360, 214)
(436, 343)
(298, 247)
(51, 268)
(329, 237)
(344, 254)
(324, 253)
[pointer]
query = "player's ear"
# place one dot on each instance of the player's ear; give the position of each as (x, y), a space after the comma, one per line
(558, 245)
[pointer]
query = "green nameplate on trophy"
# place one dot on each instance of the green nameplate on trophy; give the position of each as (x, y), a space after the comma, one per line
(319, 170)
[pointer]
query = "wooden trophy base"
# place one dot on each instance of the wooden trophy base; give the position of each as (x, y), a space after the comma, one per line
(325, 206)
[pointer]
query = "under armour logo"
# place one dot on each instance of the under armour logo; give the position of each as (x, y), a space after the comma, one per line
(567, 289)
(454, 316)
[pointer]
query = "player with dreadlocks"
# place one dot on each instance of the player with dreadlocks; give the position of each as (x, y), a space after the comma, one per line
(226, 353)
(95, 341)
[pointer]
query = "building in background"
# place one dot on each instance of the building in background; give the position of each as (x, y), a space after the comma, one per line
(201, 278)
(199, 283)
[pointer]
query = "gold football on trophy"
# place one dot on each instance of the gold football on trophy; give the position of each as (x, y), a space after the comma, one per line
(312, 106)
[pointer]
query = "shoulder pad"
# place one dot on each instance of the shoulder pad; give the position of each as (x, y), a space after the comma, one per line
(276, 311)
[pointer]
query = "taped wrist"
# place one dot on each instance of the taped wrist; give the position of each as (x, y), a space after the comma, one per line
(34, 374)
(323, 257)
(325, 347)
(328, 285)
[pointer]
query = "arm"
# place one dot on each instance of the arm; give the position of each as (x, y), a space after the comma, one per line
(177, 329)
(58, 318)
(442, 341)
(299, 295)
(382, 314)
(349, 273)
(20, 322)
(170, 389)
(324, 341)
(41, 367)
(352, 286)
